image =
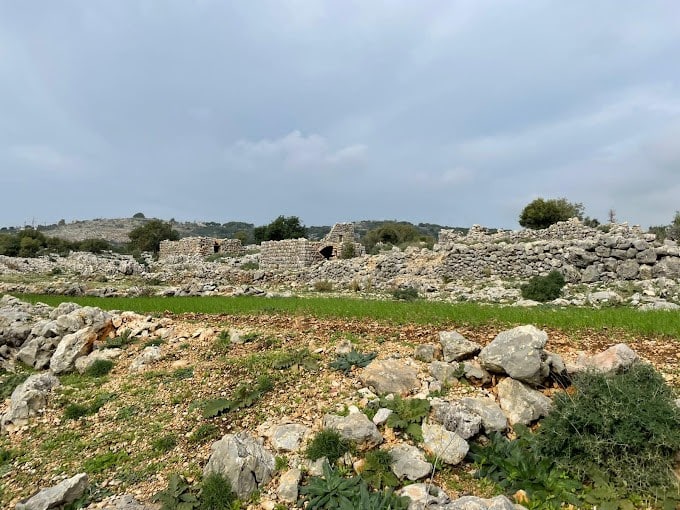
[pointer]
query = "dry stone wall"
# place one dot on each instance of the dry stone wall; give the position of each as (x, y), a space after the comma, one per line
(199, 246)
(289, 254)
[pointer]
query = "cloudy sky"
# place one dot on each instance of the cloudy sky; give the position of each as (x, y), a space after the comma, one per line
(441, 111)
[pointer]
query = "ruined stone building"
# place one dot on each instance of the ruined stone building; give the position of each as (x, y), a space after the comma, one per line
(199, 246)
(301, 253)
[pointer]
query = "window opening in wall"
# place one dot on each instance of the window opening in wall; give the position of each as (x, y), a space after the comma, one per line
(326, 252)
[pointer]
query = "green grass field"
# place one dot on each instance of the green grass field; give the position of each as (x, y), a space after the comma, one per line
(650, 323)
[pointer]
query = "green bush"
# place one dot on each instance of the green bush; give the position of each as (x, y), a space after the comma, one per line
(622, 427)
(328, 443)
(245, 395)
(177, 496)
(250, 265)
(216, 493)
(348, 250)
(99, 368)
(148, 237)
(407, 415)
(542, 213)
(281, 228)
(544, 288)
(405, 294)
(377, 471)
(9, 381)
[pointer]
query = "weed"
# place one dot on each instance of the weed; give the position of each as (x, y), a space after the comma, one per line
(216, 493)
(75, 411)
(328, 443)
(203, 433)
(377, 471)
(250, 266)
(99, 368)
(104, 461)
(280, 463)
(296, 359)
(183, 373)
(407, 415)
(243, 396)
(119, 342)
(345, 362)
(177, 496)
(154, 342)
(164, 443)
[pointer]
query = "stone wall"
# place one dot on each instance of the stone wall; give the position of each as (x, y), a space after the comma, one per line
(289, 254)
(199, 246)
(582, 254)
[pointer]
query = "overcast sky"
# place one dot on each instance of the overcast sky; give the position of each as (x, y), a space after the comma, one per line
(450, 112)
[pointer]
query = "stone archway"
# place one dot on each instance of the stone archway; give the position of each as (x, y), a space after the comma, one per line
(326, 252)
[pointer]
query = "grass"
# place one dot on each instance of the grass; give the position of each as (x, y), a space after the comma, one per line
(653, 322)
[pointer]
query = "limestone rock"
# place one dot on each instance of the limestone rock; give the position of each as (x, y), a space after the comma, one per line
(456, 417)
(124, 502)
(520, 403)
(617, 357)
(53, 497)
(445, 373)
(409, 462)
(381, 415)
(424, 496)
(390, 376)
(71, 347)
(447, 446)
(493, 419)
(243, 461)
(148, 355)
(288, 485)
(288, 437)
(355, 427)
(476, 503)
(85, 362)
(425, 352)
(27, 399)
(473, 371)
(518, 353)
(456, 347)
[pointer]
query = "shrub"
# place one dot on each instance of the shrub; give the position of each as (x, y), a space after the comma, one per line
(148, 237)
(348, 250)
(250, 265)
(164, 443)
(323, 286)
(245, 395)
(9, 381)
(216, 493)
(543, 213)
(544, 288)
(328, 443)
(624, 427)
(99, 368)
(281, 228)
(405, 294)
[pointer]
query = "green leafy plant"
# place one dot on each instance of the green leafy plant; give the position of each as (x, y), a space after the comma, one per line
(345, 362)
(348, 251)
(407, 415)
(244, 396)
(164, 443)
(216, 493)
(515, 465)
(328, 443)
(178, 495)
(104, 461)
(297, 359)
(405, 294)
(204, 432)
(119, 342)
(99, 368)
(622, 428)
(183, 373)
(377, 471)
(544, 288)
(73, 411)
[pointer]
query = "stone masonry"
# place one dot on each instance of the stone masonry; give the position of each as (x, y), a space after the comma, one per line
(199, 246)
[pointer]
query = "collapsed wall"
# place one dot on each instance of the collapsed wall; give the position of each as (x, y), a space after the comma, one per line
(581, 253)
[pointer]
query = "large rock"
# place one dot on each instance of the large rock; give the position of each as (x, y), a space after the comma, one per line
(61, 494)
(72, 347)
(37, 352)
(409, 462)
(617, 357)
(455, 417)
(149, 355)
(288, 485)
(85, 362)
(493, 419)
(627, 269)
(476, 503)
(520, 403)
(288, 437)
(424, 496)
(518, 353)
(243, 461)
(447, 446)
(456, 347)
(355, 427)
(390, 376)
(27, 400)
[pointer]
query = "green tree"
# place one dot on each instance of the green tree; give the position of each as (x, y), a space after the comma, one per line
(673, 230)
(281, 228)
(148, 237)
(543, 213)
(392, 233)
(139, 215)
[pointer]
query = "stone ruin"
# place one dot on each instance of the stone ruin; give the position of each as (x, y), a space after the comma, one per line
(199, 247)
(301, 253)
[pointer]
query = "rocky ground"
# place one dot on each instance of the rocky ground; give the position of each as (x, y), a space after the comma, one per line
(144, 420)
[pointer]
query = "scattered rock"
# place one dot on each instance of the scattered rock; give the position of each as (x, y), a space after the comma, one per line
(381, 415)
(54, 497)
(82, 364)
(455, 347)
(27, 400)
(617, 357)
(520, 403)
(390, 376)
(447, 446)
(426, 352)
(491, 414)
(355, 427)
(409, 462)
(288, 485)
(445, 373)
(424, 496)
(288, 437)
(456, 417)
(243, 461)
(148, 355)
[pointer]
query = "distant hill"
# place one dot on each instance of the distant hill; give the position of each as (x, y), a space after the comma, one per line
(116, 230)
